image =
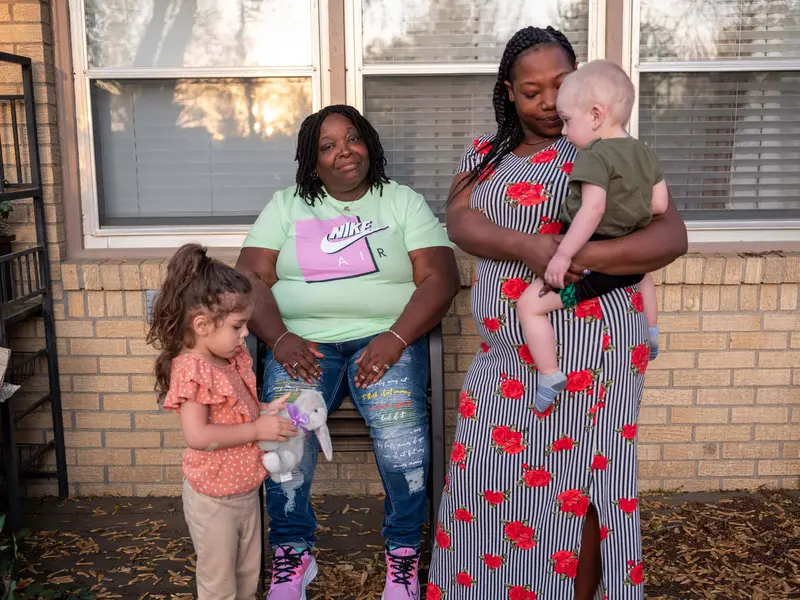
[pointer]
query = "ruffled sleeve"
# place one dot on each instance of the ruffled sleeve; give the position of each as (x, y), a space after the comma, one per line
(192, 378)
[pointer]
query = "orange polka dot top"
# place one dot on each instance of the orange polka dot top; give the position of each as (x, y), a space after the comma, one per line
(230, 393)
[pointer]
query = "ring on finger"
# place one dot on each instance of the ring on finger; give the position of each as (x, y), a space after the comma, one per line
(386, 367)
(294, 366)
(375, 369)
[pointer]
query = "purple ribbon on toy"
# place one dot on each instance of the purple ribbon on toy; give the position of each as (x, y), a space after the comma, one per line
(298, 419)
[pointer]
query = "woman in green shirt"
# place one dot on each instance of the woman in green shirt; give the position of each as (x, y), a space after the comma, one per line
(351, 271)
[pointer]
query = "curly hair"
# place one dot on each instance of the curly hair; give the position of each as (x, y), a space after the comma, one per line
(309, 187)
(194, 283)
(509, 129)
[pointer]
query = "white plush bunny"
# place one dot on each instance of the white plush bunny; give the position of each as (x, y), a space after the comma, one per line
(308, 413)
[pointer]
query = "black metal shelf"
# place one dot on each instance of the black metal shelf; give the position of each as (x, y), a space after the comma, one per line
(25, 292)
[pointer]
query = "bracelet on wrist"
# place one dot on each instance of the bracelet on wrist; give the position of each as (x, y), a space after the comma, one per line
(278, 341)
(398, 336)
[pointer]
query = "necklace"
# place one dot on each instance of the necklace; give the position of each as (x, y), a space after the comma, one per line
(346, 206)
(537, 143)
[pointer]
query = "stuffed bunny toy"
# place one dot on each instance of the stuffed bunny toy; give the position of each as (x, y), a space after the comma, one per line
(308, 413)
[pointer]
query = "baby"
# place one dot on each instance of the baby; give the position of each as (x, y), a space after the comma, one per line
(616, 187)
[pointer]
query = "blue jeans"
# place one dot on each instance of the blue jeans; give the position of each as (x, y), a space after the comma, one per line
(395, 410)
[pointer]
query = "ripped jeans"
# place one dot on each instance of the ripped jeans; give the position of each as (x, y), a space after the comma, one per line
(395, 410)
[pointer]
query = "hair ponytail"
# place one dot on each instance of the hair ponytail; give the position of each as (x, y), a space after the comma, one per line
(194, 282)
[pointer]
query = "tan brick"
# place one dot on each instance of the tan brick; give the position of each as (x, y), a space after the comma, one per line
(753, 270)
(714, 270)
(693, 269)
(158, 457)
(663, 468)
(121, 329)
(134, 304)
(69, 365)
(691, 298)
(174, 439)
(668, 397)
(138, 347)
(80, 401)
(337, 488)
(649, 415)
(105, 456)
(729, 298)
(734, 267)
(76, 304)
(725, 396)
(774, 360)
(461, 304)
(101, 420)
(722, 433)
(131, 279)
(148, 490)
(69, 276)
(760, 377)
(731, 322)
(750, 483)
(74, 329)
(670, 433)
(781, 395)
(106, 490)
(768, 300)
(711, 298)
(683, 415)
(678, 323)
(787, 433)
(130, 402)
(156, 421)
(728, 359)
(773, 269)
(464, 361)
(25, 34)
(115, 304)
(126, 365)
(97, 347)
(726, 468)
(327, 472)
(796, 339)
(673, 360)
(758, 341)
(691, 451)
(151, 274)
(692, 485)
(701, 377)
(87, 474)
(82, 439)
(27, 12)
(176, 474)
(791, 450)
(142, 383)
(672, 299)
(461, 344)
(782, 322)
(778, 467)
(792, 272)
(96, 304)
(133, 439)
(110, 275)
(100, 383)
(788, 297)
(674, 272)
(649, 452)
(453, 381)
(748, 297)
(91, 276)
(649, 485)
(697, 341)
(656, 379)
(135, 474)
(365, 471)
(755, 450)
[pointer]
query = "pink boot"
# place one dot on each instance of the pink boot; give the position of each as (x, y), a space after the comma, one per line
(292, 571)
(402, 575)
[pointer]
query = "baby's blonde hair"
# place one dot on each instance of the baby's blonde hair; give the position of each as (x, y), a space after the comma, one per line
(601, 82)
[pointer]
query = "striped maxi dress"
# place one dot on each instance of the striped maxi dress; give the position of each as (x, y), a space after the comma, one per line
(519, 484)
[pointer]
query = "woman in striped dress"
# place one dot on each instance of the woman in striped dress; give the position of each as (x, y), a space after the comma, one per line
(536, 503)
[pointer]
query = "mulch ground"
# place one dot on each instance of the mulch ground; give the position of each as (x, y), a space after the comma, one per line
(697, 546)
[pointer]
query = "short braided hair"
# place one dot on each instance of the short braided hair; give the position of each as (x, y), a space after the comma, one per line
(309, 186)
(509, 129)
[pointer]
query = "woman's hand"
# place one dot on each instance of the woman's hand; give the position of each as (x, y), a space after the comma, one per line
(299, 357)
(377, 358)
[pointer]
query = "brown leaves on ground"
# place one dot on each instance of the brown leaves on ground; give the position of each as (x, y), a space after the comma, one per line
(696, 547)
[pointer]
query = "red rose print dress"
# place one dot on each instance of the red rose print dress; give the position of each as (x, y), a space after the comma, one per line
(520, 483)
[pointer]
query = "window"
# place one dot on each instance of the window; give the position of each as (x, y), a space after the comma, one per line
(719, 88)
(423, 72)
(188, 112)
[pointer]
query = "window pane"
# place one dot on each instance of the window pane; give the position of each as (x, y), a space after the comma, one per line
(194, 151)
(462, 30)
(198, 33)
(729, 143)
(425, 124)
(719, 29)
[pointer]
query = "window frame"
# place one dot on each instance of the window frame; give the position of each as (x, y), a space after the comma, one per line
(357, 70)
(712, 230)
(97, 237)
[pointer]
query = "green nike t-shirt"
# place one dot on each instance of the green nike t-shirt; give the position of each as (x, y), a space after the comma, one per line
(343, 270)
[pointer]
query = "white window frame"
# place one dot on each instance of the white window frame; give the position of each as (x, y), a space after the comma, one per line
(357, 70)
(97, 237)
(711, 231)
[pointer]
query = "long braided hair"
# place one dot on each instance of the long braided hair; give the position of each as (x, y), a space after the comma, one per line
(309, 186)
(509, 129)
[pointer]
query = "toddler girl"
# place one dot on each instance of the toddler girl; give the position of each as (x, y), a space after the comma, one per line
(205, 374)
(616, 186)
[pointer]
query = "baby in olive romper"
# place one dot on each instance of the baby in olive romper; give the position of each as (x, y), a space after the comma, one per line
(615, 188)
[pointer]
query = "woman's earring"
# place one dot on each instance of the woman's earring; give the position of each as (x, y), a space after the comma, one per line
(314, 175)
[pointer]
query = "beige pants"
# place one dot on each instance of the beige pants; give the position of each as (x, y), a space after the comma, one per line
(227, 543)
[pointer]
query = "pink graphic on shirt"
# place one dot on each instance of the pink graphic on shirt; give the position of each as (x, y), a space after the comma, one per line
(334, 248)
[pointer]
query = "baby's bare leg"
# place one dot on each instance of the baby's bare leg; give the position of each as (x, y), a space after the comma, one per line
(648, 289)
(541, 340)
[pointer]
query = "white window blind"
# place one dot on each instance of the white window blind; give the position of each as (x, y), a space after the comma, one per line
(719, 85)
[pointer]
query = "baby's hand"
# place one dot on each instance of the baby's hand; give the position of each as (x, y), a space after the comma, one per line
(274, 407)
(556, 270)
(270, 428)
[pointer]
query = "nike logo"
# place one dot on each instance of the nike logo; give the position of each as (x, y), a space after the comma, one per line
(346, 235)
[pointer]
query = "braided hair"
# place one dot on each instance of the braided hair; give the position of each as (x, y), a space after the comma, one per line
(509, 129)
(309, 186)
